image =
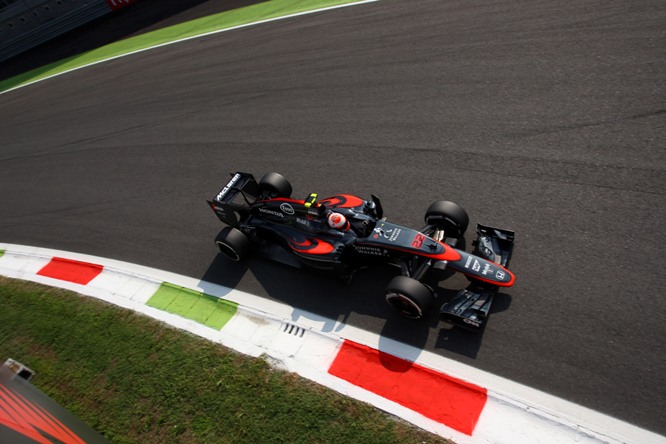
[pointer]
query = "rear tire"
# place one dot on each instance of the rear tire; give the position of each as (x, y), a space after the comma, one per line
(275, 184)
(233, 243)
(411, 298)
(449, 216)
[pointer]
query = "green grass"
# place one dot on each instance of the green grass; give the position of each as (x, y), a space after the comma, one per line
(242, 16)
(134, 379)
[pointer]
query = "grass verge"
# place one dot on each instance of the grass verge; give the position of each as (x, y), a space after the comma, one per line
(134, 379)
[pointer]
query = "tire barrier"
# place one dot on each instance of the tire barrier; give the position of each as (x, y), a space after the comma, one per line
(25, 24)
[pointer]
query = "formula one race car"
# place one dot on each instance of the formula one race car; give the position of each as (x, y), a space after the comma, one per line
(343, 233)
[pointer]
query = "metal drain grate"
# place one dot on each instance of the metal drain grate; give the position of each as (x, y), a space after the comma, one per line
(293, 330)
(20, 369)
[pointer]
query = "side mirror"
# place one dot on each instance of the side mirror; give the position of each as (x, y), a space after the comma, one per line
(377, 207)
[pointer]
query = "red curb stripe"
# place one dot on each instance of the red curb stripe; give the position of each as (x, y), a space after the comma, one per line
(70, 270)
(447, 400)
(29, 419)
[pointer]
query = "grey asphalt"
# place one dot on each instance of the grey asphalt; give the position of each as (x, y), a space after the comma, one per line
(545, 117)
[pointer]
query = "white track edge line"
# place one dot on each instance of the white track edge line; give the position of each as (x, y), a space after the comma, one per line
(233, 28)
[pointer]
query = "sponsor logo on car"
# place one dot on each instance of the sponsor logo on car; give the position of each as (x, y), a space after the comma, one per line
(391, 234)
(271, 212)
(487, 269)
(370, 250)
(231, 183)
(287, 209)
(472, 322)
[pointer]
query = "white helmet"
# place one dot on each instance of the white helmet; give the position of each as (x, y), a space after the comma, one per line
(337, 221)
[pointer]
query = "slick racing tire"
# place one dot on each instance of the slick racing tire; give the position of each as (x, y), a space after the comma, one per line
(233, 243)
(275, 184)
(411, 298)
(449, 216)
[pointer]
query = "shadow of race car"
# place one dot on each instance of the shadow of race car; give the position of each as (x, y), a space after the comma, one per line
(343, 233)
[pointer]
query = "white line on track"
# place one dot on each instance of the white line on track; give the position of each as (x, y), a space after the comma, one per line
(233, 28)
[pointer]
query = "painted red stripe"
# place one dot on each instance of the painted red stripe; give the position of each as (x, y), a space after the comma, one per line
(27, 418)
(70, 270)
(447, 400)
(46, 422)
(11, 416)
(30, 433)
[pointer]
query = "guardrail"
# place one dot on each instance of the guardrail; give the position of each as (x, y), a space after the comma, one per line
(25, 24)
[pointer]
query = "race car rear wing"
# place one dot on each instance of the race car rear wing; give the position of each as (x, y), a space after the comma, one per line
(232, 202)
(470, 308)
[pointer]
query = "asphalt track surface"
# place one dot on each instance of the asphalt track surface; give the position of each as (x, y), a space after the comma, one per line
(546, 117)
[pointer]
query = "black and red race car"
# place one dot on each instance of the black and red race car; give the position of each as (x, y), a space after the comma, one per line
(344, 233)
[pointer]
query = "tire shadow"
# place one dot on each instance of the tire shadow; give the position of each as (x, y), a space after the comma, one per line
(464, 342)
(325, 298)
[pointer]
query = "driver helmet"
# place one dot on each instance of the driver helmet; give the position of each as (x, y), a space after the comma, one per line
(337, 221)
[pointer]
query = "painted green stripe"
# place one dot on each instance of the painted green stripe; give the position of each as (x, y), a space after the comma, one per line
(228, 19)
(2, 252)
(200, 307)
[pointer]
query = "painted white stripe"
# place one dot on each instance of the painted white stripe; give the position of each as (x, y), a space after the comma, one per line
(513, 414)
(23, 263)
(120, 284)
(233, 28)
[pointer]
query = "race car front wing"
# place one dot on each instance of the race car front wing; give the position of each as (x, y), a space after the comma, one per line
(470, 308)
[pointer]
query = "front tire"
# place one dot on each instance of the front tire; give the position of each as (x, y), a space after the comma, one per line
(449, 216)
(233, 243)
(411, 298)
